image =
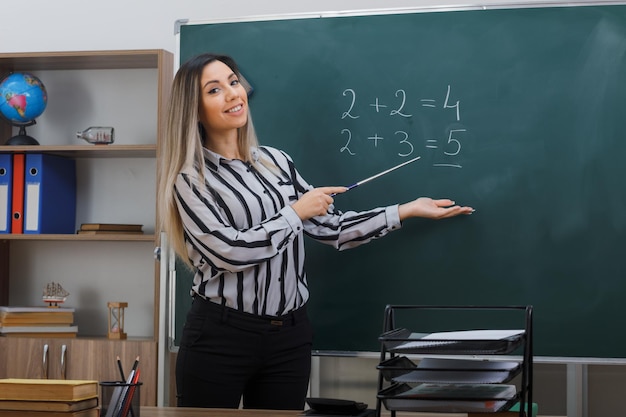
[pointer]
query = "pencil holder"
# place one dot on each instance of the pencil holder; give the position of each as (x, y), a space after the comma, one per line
(119, 399)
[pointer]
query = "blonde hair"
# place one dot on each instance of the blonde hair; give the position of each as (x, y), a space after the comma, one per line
(181, 150)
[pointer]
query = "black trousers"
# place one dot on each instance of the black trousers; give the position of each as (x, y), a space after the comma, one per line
(226, 355)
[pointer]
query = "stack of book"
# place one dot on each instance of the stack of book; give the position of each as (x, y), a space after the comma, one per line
(48, 398)
(37, 321)
(109, 228)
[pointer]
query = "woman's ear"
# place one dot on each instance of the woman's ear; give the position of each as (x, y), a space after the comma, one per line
(201, 132)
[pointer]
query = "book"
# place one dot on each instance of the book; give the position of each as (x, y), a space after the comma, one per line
(47, 389)
(9, 310)
(65, 318)
(59, 335)
(34, 320)
(110, 232)
(59, 406)
(34, 325)
(38, 330)
(111, 227)
(91, 412)
(16, 316)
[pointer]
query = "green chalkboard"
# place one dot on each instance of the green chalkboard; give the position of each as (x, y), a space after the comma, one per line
(520, 113)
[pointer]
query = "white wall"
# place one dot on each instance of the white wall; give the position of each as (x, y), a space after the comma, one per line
(62, 25)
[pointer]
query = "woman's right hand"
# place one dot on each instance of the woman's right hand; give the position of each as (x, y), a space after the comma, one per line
(316, 201)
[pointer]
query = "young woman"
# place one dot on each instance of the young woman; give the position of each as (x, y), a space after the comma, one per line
(236, 212)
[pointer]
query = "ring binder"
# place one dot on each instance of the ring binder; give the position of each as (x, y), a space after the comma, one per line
(6, 187)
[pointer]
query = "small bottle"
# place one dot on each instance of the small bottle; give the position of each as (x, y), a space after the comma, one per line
(97, 134)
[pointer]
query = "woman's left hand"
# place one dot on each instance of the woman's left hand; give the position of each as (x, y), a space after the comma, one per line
(432, 209)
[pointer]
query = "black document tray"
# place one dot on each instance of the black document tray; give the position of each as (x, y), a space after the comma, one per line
(396, 367)
(399, 341)
(402, 369)
(393, 401)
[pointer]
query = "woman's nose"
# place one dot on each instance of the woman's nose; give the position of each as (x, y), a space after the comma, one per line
(232, 93)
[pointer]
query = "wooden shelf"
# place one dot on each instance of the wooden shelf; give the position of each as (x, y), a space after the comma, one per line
(29, 61)
(24, 257)
(107, 237)
(88, 151)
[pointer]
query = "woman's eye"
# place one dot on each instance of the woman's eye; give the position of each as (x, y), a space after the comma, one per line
(234, 82)
(213, 90)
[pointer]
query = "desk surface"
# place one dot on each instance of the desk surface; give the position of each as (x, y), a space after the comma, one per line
(216, 412)
(212, 412)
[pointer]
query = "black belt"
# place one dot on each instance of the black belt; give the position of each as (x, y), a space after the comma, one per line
(234, 316)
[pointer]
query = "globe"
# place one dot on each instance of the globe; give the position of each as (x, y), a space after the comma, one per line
(23, 98)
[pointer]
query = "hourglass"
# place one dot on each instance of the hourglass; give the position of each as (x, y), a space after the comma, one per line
(116, 319)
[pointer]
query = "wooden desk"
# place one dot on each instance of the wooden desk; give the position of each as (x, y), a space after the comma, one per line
(212, 412)
(218, 412)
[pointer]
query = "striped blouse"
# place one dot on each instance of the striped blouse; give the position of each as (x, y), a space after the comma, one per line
(245, 240)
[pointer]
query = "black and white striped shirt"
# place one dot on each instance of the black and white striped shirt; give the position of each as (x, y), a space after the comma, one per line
(246, 241)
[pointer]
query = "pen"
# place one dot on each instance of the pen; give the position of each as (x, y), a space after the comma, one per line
(119, 365)
(134, 380)
(380, 174)
(136, 363)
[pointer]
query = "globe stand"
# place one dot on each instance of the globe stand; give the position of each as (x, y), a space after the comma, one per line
(22, 138)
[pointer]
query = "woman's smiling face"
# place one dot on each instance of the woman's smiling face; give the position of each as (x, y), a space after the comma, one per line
(224, 101)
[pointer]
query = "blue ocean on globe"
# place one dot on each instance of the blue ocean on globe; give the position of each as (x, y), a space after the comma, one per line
(23, 98)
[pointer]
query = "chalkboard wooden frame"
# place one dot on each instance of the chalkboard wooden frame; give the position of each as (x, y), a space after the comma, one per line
(522, 90)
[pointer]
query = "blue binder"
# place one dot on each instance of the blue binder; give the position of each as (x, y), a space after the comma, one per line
(6, 181)
(49, 194)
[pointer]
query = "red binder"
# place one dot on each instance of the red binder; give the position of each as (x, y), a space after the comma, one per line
(17, 210)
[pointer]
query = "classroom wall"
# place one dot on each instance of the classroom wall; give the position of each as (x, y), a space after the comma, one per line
(145, 24)
(43, 25)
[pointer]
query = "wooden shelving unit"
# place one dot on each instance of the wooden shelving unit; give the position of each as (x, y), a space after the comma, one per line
(20, 355)
(88, 151)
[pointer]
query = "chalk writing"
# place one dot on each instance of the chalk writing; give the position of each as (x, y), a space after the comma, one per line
(427, 102)
(457, 105)
(345, 147)
(454, 141)
(399, 110)
(375, 139)
(377, 105)
(404, 140)
(347, 113)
